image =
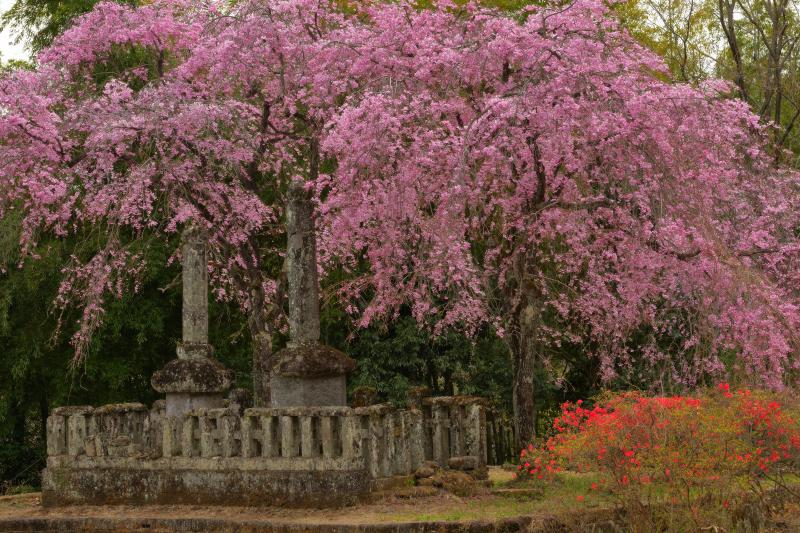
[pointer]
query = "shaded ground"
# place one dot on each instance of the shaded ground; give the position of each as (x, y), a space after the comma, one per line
(395, 506)
(404, 510)
(502, 506)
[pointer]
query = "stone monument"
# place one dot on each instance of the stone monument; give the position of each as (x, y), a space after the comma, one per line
(307, 450)
(306, 372)
(195, 379)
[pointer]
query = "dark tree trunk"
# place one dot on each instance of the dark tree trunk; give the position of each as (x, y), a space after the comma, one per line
(261, 347)
(524, 354)
(448, 383)
(44, 411)
(260, 321)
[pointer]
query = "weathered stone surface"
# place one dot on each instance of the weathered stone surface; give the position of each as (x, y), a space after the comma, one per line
(98, 486)
(189, 350)
(424, 472)
(321, 410)
(463, 462)
(301, 261)
(459, 483)
(381, 441)
(311, 360)
(393, 482)
(365, 396)
(380, 409)
(195, 290)
(481, 473)
(194, 375)
(308, 392)
(183, 403)
(69, 410)
(453, 400)
(135, 522)
(416, 395)
(432, 464)
(120, 408)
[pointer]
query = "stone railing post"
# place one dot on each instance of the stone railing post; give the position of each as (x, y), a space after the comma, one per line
(76, 424)
(352, 440)
(475, 431)
(403, 443)
(308, 445)
(269, 440)
(439, 434)
(252, 436)
(209, 435)
(289, 445)
(456, 429)
(416, 433)
(56, 435)
(190, 438)
(329, 435)
(171, 431)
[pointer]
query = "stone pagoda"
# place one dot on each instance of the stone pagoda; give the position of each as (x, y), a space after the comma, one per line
(195, 379)
(305, 373)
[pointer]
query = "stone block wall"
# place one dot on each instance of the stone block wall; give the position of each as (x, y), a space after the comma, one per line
(330, 452)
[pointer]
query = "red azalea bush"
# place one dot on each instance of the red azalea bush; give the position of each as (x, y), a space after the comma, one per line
(678, 461)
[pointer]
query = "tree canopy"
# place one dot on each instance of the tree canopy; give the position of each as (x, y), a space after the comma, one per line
(533, 170)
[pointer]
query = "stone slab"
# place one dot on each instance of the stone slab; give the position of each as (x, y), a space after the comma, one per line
(68, 524)
(308, 391)
(181, 403)
(109, 486)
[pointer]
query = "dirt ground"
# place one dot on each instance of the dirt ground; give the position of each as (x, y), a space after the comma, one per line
(444, 507)
(399, 506)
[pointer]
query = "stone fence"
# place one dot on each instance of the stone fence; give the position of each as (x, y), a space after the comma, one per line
(313, 445)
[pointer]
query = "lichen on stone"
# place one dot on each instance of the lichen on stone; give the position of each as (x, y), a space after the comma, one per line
(194, 375)
(311, 360)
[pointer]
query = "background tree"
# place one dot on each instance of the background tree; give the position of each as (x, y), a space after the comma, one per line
(684, 33)
(531, 172)
(38, 22)
(751, 43)
(98, 105)
(537, 173)
(192, 116)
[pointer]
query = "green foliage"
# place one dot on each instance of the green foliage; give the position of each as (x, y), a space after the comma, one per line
(394, 357)
(38, 22)
(138, 336)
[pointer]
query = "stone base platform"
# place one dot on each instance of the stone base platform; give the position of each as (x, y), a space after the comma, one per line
(163, 525)
(253, 488)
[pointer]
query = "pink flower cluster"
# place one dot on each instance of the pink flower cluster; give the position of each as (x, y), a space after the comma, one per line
(481, 165)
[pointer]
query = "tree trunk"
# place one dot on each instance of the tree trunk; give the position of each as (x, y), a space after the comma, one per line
(262, 352)
(524, 352)
(44, 411)
(261, 340)
(727, 9)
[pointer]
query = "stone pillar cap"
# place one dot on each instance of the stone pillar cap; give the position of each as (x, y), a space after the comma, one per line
(193, 375)
(311, 360)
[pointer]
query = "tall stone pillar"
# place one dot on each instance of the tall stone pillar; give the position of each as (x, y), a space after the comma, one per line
(195, 379)
(305, 373)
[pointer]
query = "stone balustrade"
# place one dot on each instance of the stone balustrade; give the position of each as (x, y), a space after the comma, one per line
(379, 441)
